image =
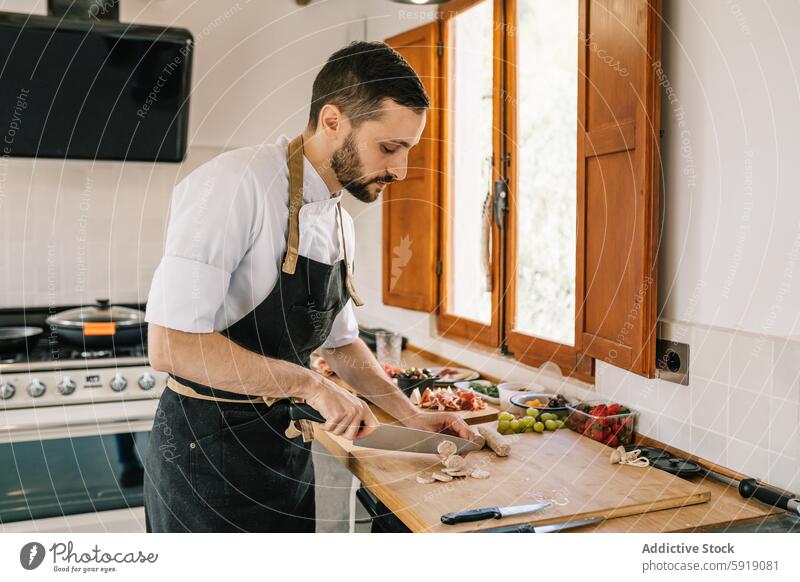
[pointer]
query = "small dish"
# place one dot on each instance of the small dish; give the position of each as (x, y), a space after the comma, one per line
(519, 401)
(486, 397)
(509, 389)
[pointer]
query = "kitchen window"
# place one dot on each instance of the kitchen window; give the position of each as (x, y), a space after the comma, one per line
(547, 117)
(510, 71)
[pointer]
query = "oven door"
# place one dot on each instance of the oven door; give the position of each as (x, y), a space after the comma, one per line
(76, 473)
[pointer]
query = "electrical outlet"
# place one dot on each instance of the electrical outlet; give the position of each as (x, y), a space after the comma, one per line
(672, 361)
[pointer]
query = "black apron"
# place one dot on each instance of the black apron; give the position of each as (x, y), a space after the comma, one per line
(225, 466)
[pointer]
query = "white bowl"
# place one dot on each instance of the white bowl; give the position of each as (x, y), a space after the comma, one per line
(508, 389)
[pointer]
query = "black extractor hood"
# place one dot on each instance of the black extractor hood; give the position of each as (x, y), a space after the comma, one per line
(78, 84)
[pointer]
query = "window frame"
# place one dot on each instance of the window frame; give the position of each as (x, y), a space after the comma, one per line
(450, 324)
(500, 333)
(527, 348)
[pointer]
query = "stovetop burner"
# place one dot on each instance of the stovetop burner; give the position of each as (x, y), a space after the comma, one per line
(50, 351)
(53, 353)
(10, 358)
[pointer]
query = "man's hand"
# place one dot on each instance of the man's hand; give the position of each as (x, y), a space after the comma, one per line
(444, 422)
(343, 412)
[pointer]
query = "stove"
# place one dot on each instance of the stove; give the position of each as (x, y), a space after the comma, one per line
(74, 426)
(56, 373)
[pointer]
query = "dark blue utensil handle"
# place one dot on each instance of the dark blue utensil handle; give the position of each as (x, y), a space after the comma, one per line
(472, 515)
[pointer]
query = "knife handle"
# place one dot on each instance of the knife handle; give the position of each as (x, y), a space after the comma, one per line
(752, 488)
(471, 515)
(300, 411)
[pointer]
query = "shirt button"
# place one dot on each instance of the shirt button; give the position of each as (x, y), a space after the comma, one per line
(192, 445)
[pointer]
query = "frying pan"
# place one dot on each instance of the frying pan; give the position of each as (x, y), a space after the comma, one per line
(99, 326)
(16, 340)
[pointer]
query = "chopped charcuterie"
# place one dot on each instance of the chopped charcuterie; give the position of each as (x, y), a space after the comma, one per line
(497, 442)
(479, 473)
(448, 399)
(455, 463)
(445, 449)
(442, 477)
(453, 473)
(425, 478)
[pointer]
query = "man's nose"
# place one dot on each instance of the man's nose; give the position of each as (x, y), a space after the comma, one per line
(399, 172)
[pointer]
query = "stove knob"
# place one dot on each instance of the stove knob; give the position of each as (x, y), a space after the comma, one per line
(7, 390)
(119, 383)
(67, 386)
(146, 381)
(36, 388)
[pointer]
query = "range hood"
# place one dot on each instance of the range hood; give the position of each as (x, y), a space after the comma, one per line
(78, 84)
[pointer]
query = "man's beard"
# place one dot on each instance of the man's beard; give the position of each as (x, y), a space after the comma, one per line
(346, 164)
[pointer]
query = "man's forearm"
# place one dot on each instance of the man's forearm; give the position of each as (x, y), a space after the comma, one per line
(213, 360)
(357, 366)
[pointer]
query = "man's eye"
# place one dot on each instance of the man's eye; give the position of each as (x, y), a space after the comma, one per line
(387, 150)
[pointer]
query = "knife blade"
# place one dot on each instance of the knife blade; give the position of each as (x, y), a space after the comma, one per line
(410, 440)
(491, 513)
(550, 528)
(392, 437)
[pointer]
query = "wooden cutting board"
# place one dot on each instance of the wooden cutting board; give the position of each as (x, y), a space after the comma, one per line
(571, 471)
(470, 416)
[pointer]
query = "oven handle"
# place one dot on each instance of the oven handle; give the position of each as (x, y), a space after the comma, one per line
(57, 425)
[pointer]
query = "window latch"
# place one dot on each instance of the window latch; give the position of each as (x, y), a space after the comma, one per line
(500, 202)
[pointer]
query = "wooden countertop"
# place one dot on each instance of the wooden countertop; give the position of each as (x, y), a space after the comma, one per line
(725, 506)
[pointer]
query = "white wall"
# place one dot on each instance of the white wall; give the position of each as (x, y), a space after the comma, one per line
(732, 228)
(730, 248)
(74, 231)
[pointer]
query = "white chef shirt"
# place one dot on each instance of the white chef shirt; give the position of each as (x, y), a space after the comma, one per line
(227, 237)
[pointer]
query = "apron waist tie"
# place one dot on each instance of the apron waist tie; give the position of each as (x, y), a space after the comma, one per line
(302, 427)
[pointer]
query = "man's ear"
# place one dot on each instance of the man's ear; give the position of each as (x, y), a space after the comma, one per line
(330, 120)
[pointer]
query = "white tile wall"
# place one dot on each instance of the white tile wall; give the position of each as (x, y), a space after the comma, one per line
(709, 404)
(786, 369)
(741, 408)
(74, 231)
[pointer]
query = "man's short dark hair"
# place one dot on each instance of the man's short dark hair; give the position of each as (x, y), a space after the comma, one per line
(360, 76)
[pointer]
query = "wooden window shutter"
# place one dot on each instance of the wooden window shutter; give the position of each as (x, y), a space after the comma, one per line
(618, 181)
(410, 207)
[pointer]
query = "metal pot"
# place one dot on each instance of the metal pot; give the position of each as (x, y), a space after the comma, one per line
(100, 326)
(19, 340)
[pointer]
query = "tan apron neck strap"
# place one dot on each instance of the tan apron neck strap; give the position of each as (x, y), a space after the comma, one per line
(351, 289)
(295, 162)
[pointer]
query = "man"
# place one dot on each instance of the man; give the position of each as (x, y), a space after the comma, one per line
(256, 275)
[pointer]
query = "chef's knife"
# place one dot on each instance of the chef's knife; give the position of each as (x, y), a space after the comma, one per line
(550, 528)
(491, 513)
(392, 437)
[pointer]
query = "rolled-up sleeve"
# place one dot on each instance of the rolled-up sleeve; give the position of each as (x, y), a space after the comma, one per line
(211, 227)
(344, 330)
